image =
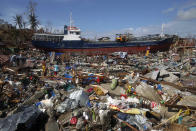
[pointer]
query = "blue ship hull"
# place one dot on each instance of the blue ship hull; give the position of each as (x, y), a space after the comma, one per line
(104, 47)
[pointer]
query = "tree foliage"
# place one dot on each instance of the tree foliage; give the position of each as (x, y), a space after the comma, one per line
(33, 19)
(18, 20)
(19, 34)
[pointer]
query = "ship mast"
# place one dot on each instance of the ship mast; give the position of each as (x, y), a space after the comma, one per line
(70, 22)
(162, 35)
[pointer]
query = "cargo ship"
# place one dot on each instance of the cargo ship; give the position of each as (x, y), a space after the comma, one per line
(71, 42)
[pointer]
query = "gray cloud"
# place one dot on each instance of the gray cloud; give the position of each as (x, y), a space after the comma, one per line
(182, 28)
(189, 14)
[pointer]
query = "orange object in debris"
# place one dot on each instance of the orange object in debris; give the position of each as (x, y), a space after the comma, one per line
(147, 52)
(114, 107)
(15, 101)
(99, 90)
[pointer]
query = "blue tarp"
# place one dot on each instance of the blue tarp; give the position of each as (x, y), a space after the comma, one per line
(68, 67)
(91, 77)
(68, 76)
(122, 116)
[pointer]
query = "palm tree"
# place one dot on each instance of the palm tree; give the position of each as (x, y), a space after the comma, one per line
(18, 21)
(19, 35)
(33, 21)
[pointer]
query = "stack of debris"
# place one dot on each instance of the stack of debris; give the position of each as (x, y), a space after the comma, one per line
(69, 92)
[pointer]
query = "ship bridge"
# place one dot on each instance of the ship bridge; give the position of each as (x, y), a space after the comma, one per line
(71, 33)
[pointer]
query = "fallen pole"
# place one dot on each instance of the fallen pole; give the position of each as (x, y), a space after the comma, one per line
(126, 123)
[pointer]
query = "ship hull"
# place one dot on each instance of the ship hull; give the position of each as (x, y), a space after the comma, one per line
(104, 47)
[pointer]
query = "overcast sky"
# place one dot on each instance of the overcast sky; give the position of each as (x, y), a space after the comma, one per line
(108, 17)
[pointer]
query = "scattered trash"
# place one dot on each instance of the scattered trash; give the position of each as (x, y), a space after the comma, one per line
(110, 92)
(80, 97)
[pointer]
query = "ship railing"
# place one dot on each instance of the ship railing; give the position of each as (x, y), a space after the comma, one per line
(47, 38)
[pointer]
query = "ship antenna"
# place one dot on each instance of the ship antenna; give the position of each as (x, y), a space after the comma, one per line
(70, 19)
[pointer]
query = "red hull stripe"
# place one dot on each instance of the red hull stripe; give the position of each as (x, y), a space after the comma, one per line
(130, 50)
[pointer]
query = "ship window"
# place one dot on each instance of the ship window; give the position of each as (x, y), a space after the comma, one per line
(75, 33)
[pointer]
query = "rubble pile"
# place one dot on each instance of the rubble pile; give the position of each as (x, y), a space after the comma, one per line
(55, 91)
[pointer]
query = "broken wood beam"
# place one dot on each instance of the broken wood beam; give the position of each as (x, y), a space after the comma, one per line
(133, 128)
(174, 100)
(190, 89)
(180, 106)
